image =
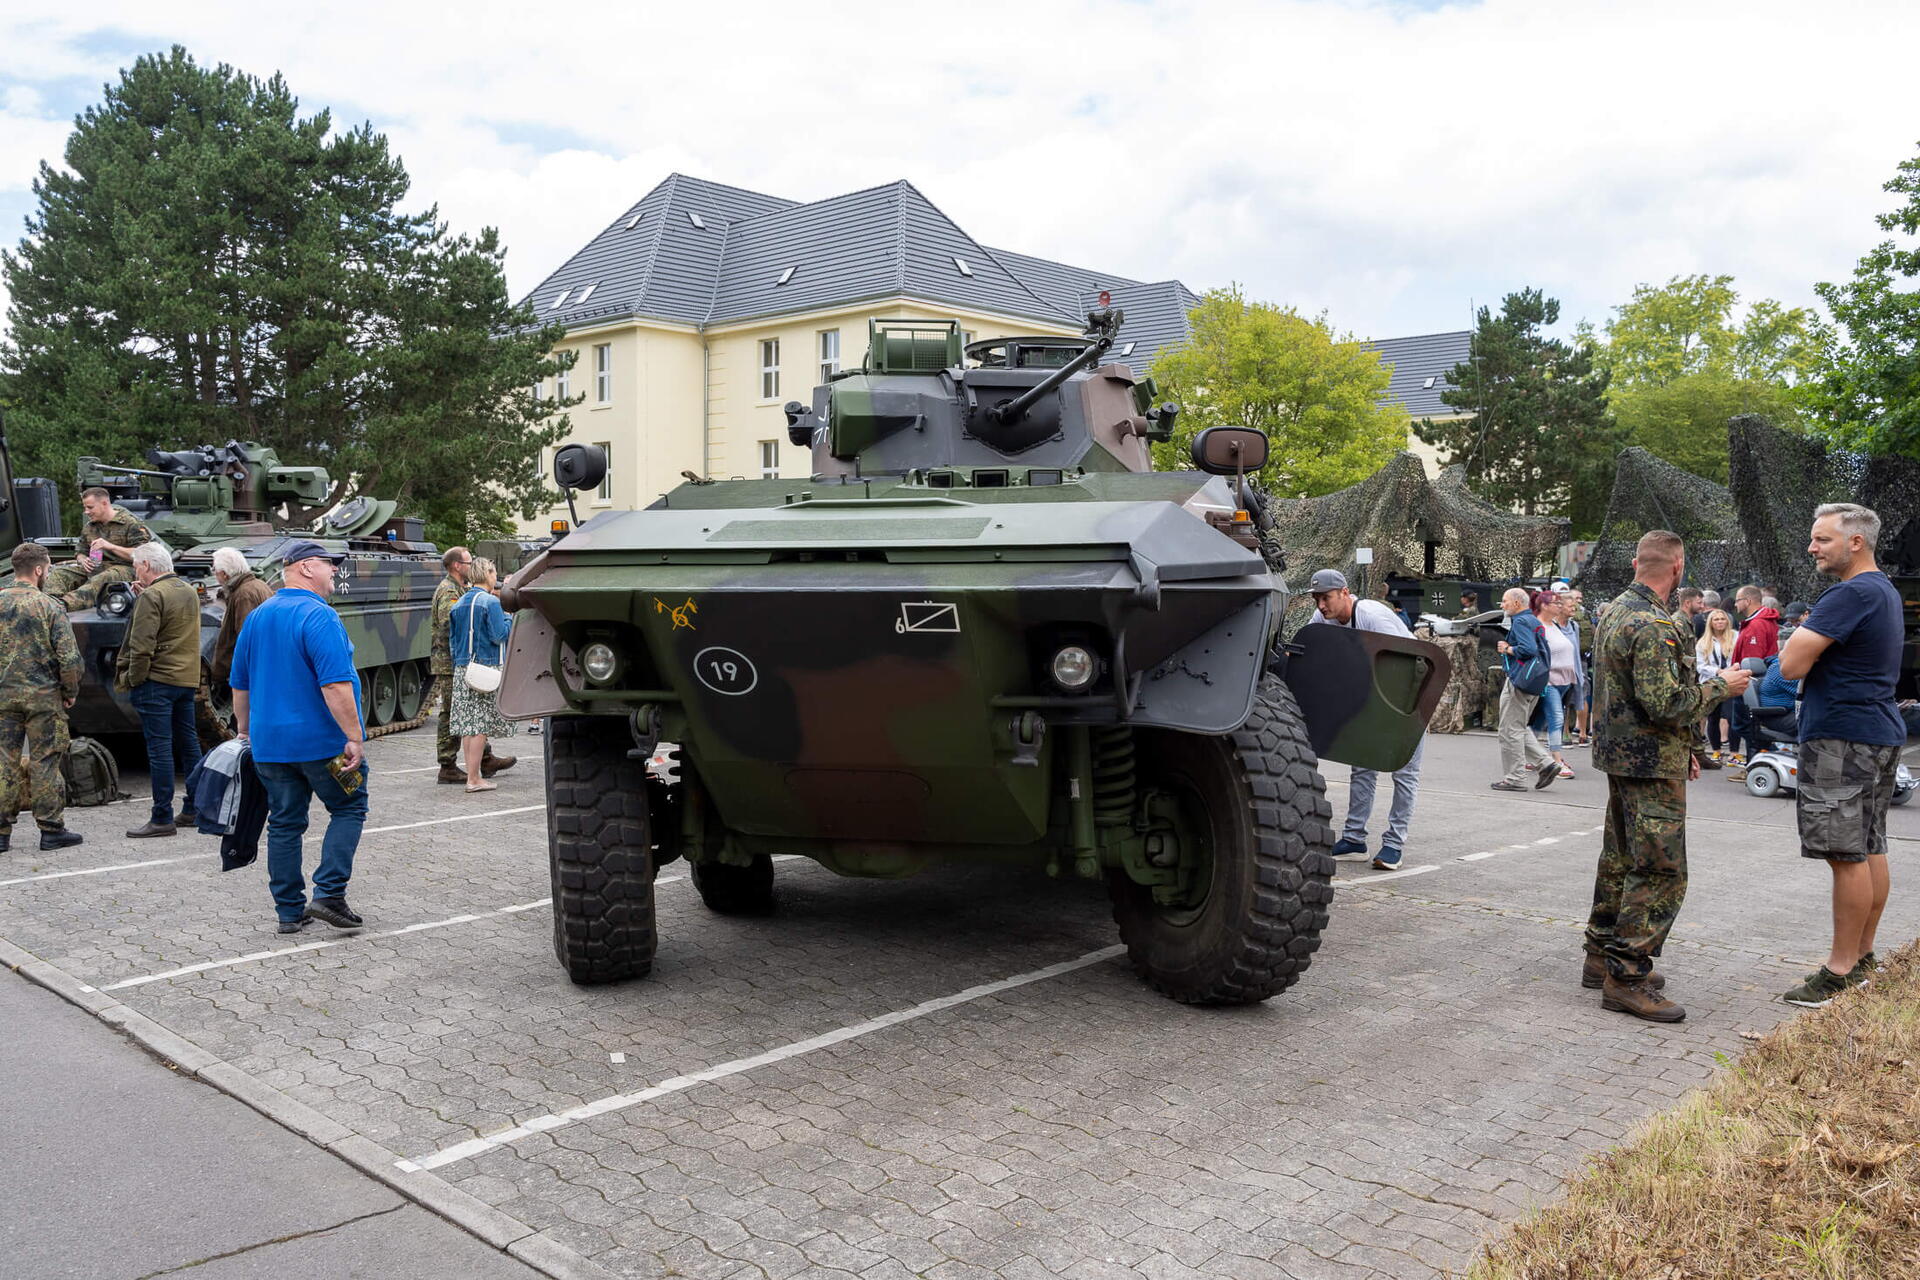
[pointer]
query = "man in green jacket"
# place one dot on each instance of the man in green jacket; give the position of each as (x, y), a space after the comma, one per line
(1647, 706)
(39, 679)
(159, 671)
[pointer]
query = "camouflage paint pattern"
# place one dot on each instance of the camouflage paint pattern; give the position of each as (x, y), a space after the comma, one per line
(39, 667)
(119, 528)
(1647, 698)
(1642, 878)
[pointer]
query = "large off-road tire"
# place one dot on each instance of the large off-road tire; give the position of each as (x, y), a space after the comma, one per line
(736, 891)
(1256, 799)
(597, 846)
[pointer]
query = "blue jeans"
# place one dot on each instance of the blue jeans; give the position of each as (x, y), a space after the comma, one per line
(290, 792)
(1552, 699)
(1406, 785)
(166, 718)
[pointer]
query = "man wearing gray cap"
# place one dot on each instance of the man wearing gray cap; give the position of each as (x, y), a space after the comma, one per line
(1335, 605)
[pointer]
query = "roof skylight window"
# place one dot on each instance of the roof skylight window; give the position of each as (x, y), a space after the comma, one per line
(1427, 385)
(1127, 350)
(633, 222)
(786, 275)
(586, 293)
(960, 265)
(695, 219)
(560, 300)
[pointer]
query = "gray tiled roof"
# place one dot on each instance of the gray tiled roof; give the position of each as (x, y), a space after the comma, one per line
(882, 242)
(1156, 318)
(1420, 367)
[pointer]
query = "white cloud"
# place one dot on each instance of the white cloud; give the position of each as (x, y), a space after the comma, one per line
(1381, 163)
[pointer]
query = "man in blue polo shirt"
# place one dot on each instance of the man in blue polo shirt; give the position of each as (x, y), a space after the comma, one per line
(1847, 657)
(297, 699)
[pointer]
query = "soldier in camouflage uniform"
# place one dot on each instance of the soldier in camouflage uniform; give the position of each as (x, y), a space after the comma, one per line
(1647, 707)
(39, 679)
(446, 747)
(112, 533)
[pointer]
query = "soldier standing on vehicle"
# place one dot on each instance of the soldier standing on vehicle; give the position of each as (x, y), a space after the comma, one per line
(39, 679)
(107, 540)
(446, 745)
(1647, 704)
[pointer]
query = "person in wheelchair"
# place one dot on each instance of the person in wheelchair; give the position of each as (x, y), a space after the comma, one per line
(1772, 699)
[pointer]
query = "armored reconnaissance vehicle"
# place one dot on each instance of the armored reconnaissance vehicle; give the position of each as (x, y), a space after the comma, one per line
(984, 630)
(240, 495)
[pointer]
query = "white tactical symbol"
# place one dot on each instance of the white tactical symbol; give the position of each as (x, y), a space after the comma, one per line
(926, 616)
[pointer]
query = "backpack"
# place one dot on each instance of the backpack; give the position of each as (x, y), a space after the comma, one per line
(93, 776)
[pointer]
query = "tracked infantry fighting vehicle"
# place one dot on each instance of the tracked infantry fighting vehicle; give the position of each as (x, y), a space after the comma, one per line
(983, 630)
(240, 495)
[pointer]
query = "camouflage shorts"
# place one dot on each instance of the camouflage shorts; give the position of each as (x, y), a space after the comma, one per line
(1845, 788)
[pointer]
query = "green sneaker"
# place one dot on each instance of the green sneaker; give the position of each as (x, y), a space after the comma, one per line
(1821, 986)
(1861, 974)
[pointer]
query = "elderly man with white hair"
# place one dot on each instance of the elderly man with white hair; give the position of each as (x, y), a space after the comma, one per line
(241, 590)
(159, 671)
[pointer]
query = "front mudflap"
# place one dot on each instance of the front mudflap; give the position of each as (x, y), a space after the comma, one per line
(1366, 697)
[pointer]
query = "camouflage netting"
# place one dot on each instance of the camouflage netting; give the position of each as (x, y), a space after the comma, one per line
(1416, 527)
(1756, 530)
(1778, 478)
(1649, 493)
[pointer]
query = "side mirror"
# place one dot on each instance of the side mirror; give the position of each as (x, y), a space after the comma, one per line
(1225, 451)
(580, 466)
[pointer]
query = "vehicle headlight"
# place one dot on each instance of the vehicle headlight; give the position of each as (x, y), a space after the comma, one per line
(600, 662)
(117, 603)
(1073, 668)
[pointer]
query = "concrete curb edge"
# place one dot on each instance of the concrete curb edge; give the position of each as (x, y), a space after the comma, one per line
(428, 1190)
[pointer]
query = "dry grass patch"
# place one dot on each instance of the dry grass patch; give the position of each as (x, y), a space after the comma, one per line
(1801, 1161)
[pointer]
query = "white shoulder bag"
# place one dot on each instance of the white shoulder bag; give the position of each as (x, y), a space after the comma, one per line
(479, 676)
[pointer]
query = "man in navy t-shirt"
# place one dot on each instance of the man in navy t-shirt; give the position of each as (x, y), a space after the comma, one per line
(1847, 657)
(297, 699)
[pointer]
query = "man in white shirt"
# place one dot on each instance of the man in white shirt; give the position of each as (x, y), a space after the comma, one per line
(1335, 605)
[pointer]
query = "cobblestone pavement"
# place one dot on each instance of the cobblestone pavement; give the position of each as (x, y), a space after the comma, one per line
(1438, 1072)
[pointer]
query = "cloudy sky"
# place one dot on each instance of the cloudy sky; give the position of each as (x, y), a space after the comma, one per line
(1389, 163)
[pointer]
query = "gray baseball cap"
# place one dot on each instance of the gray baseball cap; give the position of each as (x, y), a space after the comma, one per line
(1327, 580)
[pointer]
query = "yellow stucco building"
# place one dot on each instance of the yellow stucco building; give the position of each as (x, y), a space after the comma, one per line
(700, 311)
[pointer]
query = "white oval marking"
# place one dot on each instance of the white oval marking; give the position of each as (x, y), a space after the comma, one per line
(726, 671)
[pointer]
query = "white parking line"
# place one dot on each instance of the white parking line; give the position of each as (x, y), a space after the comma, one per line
(463, 817)
(1356, 882)
(621, 1101)
(96, 871)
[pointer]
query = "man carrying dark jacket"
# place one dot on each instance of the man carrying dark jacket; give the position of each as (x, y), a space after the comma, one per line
(1525, 642)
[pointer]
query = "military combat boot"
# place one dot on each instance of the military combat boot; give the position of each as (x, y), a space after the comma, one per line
(6, 840)
(1639, 999)
(450, 774)
(491, 764)
(59, 838)
(1593, 975)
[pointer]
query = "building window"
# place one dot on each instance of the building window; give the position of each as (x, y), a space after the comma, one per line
(537, 384)
(770, 368)
(769, 459)
(829, 353)
(539, 464)
(603, 373)
(563, 385)
(606, 485)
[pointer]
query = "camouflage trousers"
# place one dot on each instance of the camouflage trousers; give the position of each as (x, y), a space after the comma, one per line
(42, 733)
(85, 588)
(1642, 879)
(446, 746)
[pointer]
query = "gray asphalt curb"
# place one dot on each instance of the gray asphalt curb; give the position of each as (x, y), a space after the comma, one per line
(428, 1190)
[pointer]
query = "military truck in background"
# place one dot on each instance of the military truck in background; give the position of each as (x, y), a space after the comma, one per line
(985, 630)
(240, 495)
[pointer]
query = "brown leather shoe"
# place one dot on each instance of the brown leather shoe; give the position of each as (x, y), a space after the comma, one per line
(490, 765)
(1640, 1000)
(450, 774)
(1593, 975)
(153, 829)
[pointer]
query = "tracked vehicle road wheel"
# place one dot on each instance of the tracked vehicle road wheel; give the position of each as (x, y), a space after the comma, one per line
(736, 891)
(1253, 807)
(413, 690)
(597, 845)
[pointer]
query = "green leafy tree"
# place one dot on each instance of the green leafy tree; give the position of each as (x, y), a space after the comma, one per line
(1680, 365)
(1869, 397)
(208, 265)
(1316, 394)
(1539, 440)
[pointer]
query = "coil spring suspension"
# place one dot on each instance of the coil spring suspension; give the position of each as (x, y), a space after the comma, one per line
(1113, 775)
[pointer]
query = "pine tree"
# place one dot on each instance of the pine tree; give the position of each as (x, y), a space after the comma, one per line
(210, 266)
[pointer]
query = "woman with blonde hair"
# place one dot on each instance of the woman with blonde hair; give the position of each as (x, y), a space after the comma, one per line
(476, 634)
(1712, 654)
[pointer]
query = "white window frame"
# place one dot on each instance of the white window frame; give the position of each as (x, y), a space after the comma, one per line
(828, 346)
(603, 497)
(769, 368)
(562, 385)
(603, 373)
(769, 459)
